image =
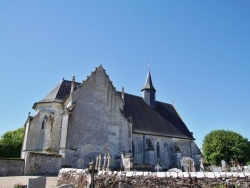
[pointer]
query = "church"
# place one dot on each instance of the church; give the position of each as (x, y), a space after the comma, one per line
(78, 121)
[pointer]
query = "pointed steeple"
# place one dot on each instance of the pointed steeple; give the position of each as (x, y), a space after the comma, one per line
(148, 83)
(148, 91)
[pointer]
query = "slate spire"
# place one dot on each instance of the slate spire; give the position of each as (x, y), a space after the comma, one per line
(148, 91)
(148, 83)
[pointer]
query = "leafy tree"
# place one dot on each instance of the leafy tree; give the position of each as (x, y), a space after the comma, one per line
(227, 145)
(11, 143)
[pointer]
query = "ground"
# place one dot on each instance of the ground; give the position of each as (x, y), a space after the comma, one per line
(10, 181)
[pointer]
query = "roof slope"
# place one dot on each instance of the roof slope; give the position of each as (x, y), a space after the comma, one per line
(59, 93)
(161, 120)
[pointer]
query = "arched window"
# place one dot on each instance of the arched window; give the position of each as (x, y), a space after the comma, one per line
(43, 124)
(158, 149)
(133, 149)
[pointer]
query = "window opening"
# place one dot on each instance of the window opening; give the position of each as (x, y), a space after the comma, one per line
(43, 124)
(133, 149)
(158, 149)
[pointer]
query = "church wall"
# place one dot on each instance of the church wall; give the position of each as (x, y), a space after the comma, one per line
(96, 124)
(171, 150)
(37, 138)
(35, 134)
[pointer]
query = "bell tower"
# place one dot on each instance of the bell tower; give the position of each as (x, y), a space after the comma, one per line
(148, 91)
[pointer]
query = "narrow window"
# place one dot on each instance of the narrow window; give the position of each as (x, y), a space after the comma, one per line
(158, 150)
(133, 149)
(42, 126)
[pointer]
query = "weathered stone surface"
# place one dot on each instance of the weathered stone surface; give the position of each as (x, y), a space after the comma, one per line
(42, 164)
(39, 182)
(76, 177)
(159, 179)
(11, 167)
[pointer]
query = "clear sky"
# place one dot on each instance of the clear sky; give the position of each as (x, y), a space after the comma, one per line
(199, 54)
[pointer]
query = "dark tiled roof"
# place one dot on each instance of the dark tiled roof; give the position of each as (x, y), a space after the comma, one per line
(59, 93)
(161, 120)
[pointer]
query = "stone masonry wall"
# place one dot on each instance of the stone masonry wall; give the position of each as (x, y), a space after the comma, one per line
(96, 124)
(167, 153)
(37, 137)
(42, 164)
(11, 167)
(135, 179)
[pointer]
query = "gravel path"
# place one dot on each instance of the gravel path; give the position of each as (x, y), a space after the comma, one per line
(10, 181)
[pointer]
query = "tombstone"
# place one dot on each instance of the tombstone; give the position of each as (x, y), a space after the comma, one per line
(188, 164)
(126, 162)
(223, 166)
(104, 162)
(39, 182)
(233, 167)
(201, 166)
(99, 160)
(232, 163)
(108, 163)
(158, 167)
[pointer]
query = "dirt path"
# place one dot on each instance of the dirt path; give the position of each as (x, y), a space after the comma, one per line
(10, 181)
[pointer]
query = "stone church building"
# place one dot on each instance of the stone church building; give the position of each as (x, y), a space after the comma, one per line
(79, 121)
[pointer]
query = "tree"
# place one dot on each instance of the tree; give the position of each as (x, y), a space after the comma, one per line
(11, 143)
(227, 145)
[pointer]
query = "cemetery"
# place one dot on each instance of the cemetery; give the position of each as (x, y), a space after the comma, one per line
(100, 174)
(212, 176)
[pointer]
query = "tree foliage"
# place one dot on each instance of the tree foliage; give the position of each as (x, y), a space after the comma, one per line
(227, 145)
(11, 143)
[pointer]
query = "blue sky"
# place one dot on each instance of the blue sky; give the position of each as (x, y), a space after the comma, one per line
(199, 54)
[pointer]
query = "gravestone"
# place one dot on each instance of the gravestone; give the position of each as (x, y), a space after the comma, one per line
(39, 182)
(201, 166)
(158, 167)
(188, 164)
(223, 165)
(126, 162)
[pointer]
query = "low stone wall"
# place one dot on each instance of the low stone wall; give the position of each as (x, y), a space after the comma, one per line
(11, 167)
(76, 177)
(42, 164)
(154, 179)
